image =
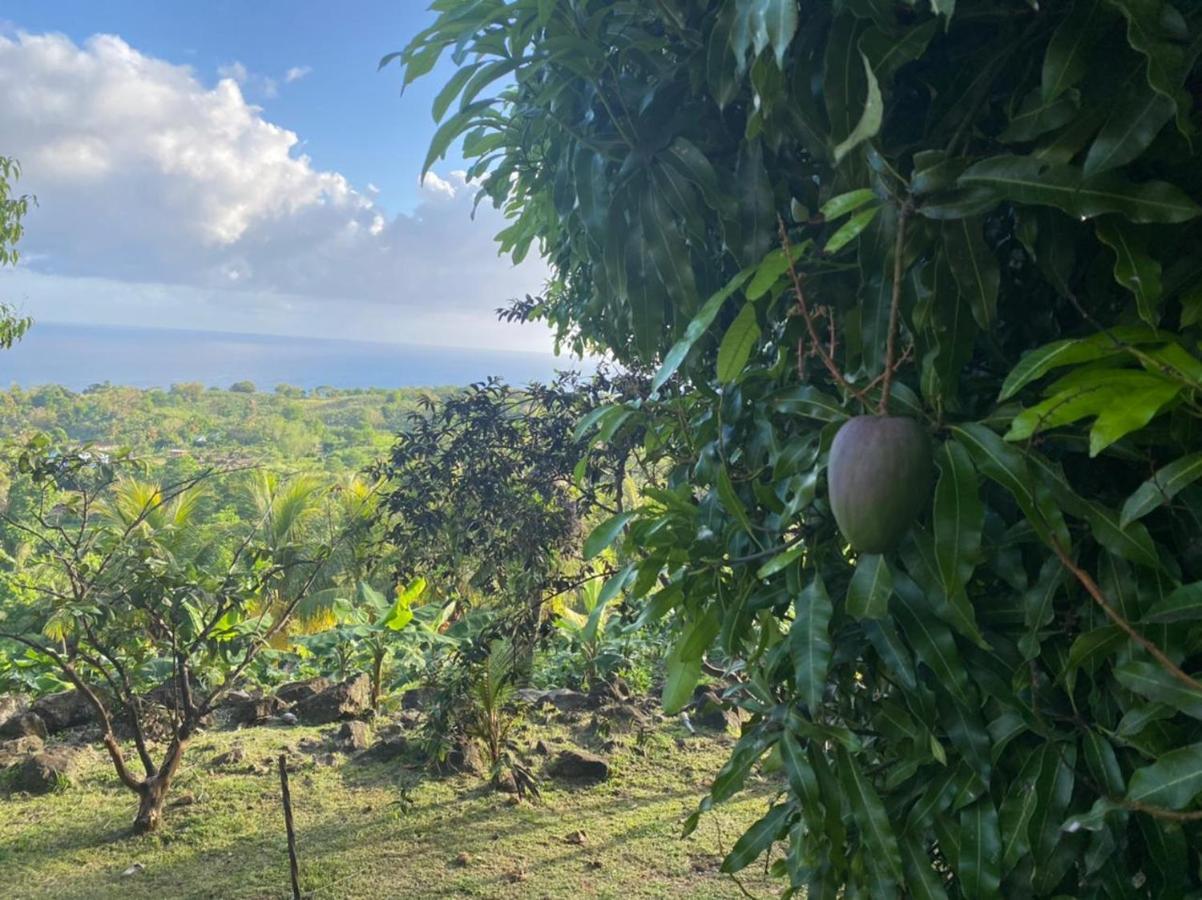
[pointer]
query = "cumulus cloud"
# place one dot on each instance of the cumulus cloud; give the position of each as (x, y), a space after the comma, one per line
(296, 73)
(146, 175)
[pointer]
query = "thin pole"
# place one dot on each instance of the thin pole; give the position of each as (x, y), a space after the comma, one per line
(296, 893)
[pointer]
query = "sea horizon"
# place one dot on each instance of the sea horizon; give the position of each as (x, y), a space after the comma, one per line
(78, 356)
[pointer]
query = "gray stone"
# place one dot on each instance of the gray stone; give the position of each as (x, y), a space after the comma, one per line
(25, 724)
(298, 691)
(579, 765)
(353, 736)
(67, 709)
(710, 712)
(346, 700)
(15, 751)
(47, 771)
(11, 705)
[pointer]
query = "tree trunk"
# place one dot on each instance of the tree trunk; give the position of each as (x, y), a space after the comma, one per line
(377, 673)
(151, 797)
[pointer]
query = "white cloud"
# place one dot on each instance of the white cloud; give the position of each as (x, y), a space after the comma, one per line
(296, 73)
(186, 195)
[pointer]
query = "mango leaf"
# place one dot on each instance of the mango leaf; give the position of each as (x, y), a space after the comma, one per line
(1169, 60)
(1151, 681)
(932, 641)
(730, 500)
(780, 561)
(808, 401)
(1132, 543)
(605, 534)
(1055, 790)
(1038, 115)
(850, 230)
(980, 856)
(810, 643)
(1182, 605)
(696, 328)
(770, 270)
(847, 202)
(1161, 488)
(1172, 782)
(870, 119)
(957, 519)
(1073, 351)
(1134, 267)
(869, 589)
(758, 838)
(799, 771)
(1132, 125)
(1025, 179)
(1066, 60)
(1019, 807)
(876, 831)
(684, 661)
(737, 344)
(921, 878)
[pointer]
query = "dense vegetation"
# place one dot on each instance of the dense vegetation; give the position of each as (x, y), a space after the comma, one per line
(982, 215)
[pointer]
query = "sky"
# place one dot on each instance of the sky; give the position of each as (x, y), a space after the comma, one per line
(244, 167)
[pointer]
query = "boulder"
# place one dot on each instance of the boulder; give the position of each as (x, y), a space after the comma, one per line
(47, 771)
(11, 705)
(25, 724)
(235, 756)
(418, 698)
(67, 709)
(710, 712)
(390, 748)
(465, 756)
(579, 766)
(353, 736)
(346, 700)
(15, 751)
(298, 691)
(243, 708)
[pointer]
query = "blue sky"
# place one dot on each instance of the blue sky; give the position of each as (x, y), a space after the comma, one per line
(243, 166)
(351, 117)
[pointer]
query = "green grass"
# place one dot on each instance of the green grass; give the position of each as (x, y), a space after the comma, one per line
(383, 829)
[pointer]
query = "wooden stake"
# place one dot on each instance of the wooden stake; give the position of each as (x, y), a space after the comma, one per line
(296, 893)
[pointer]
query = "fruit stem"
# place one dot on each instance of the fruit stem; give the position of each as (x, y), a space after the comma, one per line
(894, 306)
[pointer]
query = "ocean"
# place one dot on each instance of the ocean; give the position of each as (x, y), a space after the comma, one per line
(77, 356)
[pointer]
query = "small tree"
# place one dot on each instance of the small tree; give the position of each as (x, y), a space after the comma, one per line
(134, 594)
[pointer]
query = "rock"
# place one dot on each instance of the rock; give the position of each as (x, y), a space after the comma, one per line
(577, 837)
(50, 770)
(289, 718)
(24, 724)
(187, 798)
(533, 696)
(136, 869)
(710, 712)
(463, 859)
(297, 691)
(248, 709)
(418, 698)
(15, 751)
(566, 700)
(235, 756)
(390, 749)
(542, 748)
(465, 756)
(353, 737)
(579, 765)
(505, 783)
(11, 705)
(64, 710)
(345, 700)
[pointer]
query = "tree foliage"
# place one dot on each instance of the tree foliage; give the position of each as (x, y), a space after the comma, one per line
(12, 210)
(749, 194)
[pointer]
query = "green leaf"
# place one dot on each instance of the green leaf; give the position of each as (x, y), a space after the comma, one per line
(869, 589)
(923, 882)
(1182, 605)
(808, 401)
(883, 853)
(870, 119)
(1019, 807)
(1039, 115)
(683, 663)
(738, 342)
(605, 534)
(758, 838)
(810, 643)
(848, 202)
(1169, 60)
(1172, 782)
(1134, 267)
(780, 19)
(850, 230)
(980, 857)
(1151, 681)
(780, 561)
(451, 129)
(799, 771)
(1037, 363)
(958, 519)
(770, 270)
(1132, 543)
(1029, 180)
(452, 89)
(1162, 487)
(1066, 61)
(696, 328)
(730, 500)
(932, 640)
(974, 267)
(1132, 125)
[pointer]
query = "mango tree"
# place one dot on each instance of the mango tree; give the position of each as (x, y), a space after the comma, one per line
(980, 215)
(140, 603)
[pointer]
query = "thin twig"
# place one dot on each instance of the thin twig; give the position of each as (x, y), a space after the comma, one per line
(1094, 591)
(894, 306)
(293, 866)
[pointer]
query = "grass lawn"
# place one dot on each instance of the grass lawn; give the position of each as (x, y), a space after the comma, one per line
(382, 829)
